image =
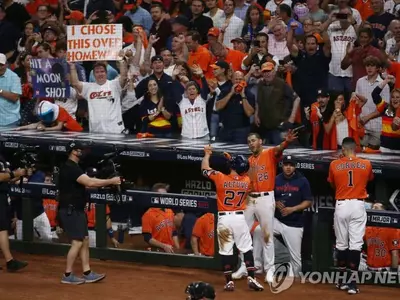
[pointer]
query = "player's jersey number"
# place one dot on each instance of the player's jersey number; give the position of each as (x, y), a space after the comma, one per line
(231, 195)
(262, 176)
(350, 178)
(379, 252)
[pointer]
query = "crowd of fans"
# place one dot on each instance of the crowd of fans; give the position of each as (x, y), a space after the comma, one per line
(213, 69)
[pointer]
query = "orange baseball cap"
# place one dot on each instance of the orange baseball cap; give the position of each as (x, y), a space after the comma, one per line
(214, 31)
(76, 15)
(268, 66)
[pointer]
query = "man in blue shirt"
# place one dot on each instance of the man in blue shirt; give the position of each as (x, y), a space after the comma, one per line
(292, 197)
(10, 91)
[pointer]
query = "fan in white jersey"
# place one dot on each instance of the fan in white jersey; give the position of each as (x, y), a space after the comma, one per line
(103, 97)
(193, 108)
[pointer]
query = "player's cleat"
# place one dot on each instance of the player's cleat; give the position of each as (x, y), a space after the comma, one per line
(240, 273)
(229, 287)
(254, 284)
(353, 289)
(93, 277)
(269, 277)
(342, 286)
(15, 265)
(72, 279)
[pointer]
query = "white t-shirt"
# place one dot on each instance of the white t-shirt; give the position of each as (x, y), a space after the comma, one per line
(194, 118)
(272, 6)
(218, 19)
(70, 104)
(104, 103)
(339, 39)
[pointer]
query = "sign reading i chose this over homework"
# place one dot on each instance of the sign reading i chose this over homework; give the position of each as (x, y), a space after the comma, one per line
(94, 42)
(49, 78)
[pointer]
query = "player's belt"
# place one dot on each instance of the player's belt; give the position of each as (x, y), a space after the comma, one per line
(258, 195)
(224, 213)
(350, 199)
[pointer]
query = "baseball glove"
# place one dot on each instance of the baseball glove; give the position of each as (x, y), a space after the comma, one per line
(224, 236)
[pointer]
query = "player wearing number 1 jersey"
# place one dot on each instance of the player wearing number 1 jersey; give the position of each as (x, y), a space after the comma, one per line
(232, 229)
(349, 176)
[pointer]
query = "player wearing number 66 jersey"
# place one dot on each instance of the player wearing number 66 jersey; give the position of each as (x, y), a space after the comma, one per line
(232, 229)
(349, 176)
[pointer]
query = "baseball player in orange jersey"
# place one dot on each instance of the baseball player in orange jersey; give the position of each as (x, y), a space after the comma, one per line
(202, 240)
(261, 201)
(383, 245)
(232, 191)
(349, 176)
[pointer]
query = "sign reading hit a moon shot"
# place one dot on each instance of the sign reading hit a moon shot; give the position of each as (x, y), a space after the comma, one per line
(50, 78)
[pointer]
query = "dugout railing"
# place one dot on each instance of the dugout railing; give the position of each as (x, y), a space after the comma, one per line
(101, 197)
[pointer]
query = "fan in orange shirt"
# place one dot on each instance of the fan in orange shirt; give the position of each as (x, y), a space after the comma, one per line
(383, 245)
(91, 218)
(199, 55)
(233, 57)
(203, 235)
(53, 118)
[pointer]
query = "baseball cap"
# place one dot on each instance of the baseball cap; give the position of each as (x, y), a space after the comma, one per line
(129, 4)
(51, 27)
(214, 31)
(288, 159)
(220, 64)
(75, 15)
(182, 20)
(268, 66)
(322, 93)
(238, 40)
(3, 59)
(157, 58)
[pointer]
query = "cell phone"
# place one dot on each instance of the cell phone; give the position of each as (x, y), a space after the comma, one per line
(256, 43)
(341, 16)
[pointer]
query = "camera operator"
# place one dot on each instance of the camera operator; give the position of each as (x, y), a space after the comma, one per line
(72, 217)
(5, 177)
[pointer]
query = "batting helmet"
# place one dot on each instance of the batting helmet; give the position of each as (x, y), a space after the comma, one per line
(238, 163)
(200, 290)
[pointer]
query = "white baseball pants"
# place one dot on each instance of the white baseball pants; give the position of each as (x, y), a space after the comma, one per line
(41, 228)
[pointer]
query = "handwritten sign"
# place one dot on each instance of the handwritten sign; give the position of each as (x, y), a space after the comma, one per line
(94, 42)
(49, 78)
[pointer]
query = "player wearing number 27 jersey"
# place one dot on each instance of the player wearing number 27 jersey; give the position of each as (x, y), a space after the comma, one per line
(232, 229)
(349, 176)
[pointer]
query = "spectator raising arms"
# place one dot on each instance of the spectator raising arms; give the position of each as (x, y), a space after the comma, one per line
(103, 96)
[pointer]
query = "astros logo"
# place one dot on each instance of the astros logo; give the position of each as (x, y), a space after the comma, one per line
(282, 280)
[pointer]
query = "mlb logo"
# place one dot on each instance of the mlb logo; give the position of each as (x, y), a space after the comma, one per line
(37, 93)
(155, 200)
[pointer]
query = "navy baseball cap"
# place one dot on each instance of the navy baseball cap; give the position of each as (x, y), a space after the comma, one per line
(288, 159)
(322, 93)
(157, 58)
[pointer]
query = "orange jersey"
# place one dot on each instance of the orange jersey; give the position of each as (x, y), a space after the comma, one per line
(204, 230)
(203, 58)
(262, 171)
(380, 242)
(91, 214)
(160, 224)
(350, 177)
(232, 190)
(51, 207)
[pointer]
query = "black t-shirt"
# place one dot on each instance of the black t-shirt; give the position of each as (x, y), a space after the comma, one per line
(70, 191)
(380, 24)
